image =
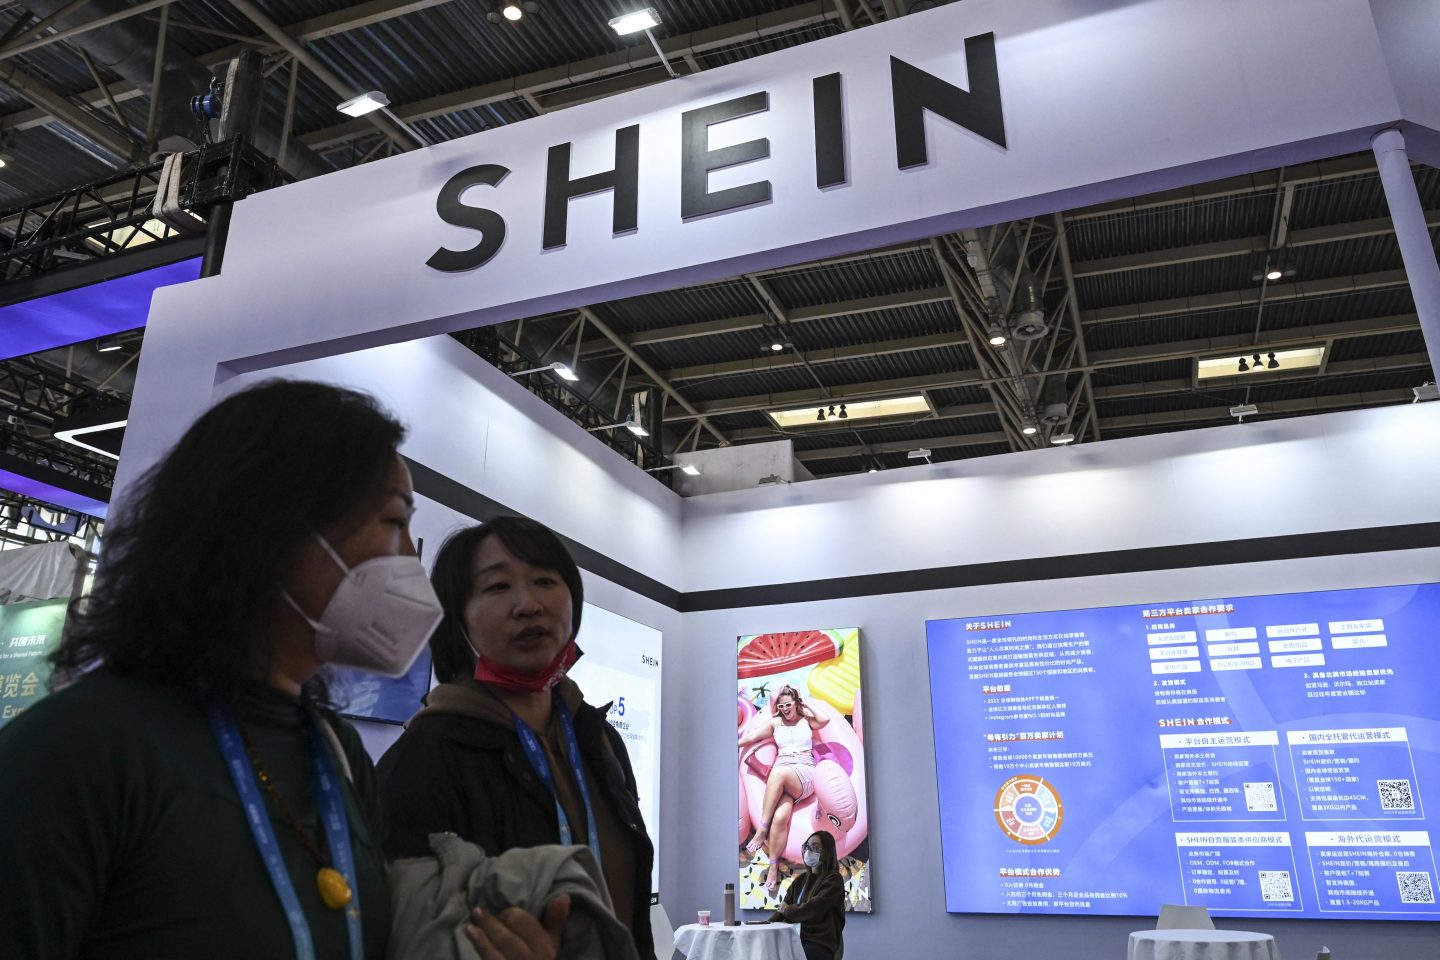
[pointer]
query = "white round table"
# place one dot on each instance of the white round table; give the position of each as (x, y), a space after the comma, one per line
(751, 941)
(1201, 945)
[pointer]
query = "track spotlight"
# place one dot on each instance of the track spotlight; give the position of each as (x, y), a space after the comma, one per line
(820, 415)
(1029, 429)
(1243, 365)
(832, 411)
(1257, 363)
(512, 11)
(1273, 364)
(777, 346)
(843, 414)
(996, 334)
(1274, 273)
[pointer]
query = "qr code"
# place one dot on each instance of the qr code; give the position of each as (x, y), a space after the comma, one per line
(1260, 797)
(1275, 886)
(1415, 887)
(1395, 795)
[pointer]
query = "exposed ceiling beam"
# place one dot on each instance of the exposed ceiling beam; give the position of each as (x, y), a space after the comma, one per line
(902, 446)
(1332, 233)
(754, 321)
(1289, 336)
(318, 28)
(1248, 297)
(585, 71)
(1372, 398)
(650, 372)
(56, 104)
(1263, 182)
(847, 392)
(29, 45)
(787, 360)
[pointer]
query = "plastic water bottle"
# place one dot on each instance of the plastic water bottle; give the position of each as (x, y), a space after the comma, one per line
(730, 908)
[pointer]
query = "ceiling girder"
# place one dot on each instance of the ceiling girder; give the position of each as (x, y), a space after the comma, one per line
(903, 446)
(596, 68)
(1151, 388)
(1249, 297)
(1267, 408)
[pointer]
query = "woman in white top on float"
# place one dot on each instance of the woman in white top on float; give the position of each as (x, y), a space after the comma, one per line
(792, 726)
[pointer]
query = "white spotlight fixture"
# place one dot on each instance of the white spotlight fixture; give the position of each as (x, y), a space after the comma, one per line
(559, 369)
(996, 334)
(1060, 439)
(1029, 429)
(513, 11)
(1274, 273)
(921, 453)
(108, 344)
(628, 23)
(1243, 410)
(367, 102)
(777, 346)
(689, 469)
(635, 428)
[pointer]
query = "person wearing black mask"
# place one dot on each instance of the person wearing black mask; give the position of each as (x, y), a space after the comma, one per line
(506, 752)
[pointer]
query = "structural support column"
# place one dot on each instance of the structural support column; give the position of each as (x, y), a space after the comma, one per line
(1413, 235)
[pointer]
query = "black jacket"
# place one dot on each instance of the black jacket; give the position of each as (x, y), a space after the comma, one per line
(455, 773)
(822, 913)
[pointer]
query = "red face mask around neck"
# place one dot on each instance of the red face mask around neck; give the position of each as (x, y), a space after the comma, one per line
(523, 681)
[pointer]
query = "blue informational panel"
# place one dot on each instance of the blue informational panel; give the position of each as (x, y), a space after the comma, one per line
(1259, 756)
(368, 696)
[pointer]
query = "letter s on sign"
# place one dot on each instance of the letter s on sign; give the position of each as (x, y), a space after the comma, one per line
(490, 224)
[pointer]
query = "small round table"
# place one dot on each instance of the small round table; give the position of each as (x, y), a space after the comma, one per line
(1201, 945)
(751, 941)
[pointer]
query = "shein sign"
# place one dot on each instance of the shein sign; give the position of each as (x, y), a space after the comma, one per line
(913, 92)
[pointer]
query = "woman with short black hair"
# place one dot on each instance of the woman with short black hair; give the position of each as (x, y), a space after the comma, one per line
(506, 752)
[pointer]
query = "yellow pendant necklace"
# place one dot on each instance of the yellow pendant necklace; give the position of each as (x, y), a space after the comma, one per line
(334, 890)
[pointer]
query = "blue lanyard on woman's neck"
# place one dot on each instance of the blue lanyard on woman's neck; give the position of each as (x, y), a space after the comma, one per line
(331, 806)
(535, 753)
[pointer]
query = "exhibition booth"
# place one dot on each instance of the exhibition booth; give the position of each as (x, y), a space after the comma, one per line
(948, 119)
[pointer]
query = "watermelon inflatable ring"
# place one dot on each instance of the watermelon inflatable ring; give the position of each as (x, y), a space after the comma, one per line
(768, 653)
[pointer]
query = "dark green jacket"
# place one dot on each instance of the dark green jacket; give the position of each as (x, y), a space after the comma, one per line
(122, 837)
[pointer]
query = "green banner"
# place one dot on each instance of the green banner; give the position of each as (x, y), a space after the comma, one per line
(28, 633)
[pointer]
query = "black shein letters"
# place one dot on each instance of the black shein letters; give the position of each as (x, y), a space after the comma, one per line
(977, 109)
(697, 159)
(829, 132)
(490, 224)
(624, 180)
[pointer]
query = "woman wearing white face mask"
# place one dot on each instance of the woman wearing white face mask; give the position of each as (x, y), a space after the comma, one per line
(186, 793)
(816, 900)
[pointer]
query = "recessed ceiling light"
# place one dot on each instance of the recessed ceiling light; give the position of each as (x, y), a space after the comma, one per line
(913, 406)
(635, 22)
(1250, 364)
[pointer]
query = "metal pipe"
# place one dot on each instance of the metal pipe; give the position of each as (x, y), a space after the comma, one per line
(1412, 234)
(216, 232)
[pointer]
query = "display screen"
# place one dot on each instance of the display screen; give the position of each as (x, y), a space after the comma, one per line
(1257, 756)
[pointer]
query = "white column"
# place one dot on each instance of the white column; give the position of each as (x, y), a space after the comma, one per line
(1412, 234)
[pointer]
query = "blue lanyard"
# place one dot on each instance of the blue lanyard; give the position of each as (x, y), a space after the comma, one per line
(535, 753)
(332, 814)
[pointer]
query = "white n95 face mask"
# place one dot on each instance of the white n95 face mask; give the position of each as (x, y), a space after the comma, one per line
(379, 617)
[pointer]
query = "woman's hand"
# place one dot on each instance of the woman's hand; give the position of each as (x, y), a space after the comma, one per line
(514, 934)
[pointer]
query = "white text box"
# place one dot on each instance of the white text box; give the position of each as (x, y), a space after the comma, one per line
(1176, 666)
(1230, 633)
(1233, 649)
(1356, 626)
(1358, 641)
(1293, 630)
(1170, 636)
(1174, 653)
(1302, 645)
(1298, 660)
(1236, 663)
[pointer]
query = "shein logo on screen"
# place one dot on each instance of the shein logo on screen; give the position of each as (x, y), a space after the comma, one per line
(987, 625)
(913, 93)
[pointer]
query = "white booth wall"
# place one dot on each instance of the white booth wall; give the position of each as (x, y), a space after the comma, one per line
(1334, 472)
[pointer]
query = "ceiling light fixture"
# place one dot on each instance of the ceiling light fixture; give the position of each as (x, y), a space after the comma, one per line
(1274, 273)
(559, 369)
(367, 102)
(513, 11)
(628, 23)
(891, 408)
(689, 469)
(108, 344)
(630, 423)
(777, 346)
(1243, 410)
(1282, 360)
(646, 20)
(1029, 429)
(921, 453)
(996, 334)
(1060, 439)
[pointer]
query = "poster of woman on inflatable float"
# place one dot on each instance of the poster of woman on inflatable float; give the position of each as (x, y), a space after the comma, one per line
(801, 760)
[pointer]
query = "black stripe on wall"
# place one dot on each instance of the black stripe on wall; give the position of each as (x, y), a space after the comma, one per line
(1329, 543)
(458, 497)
